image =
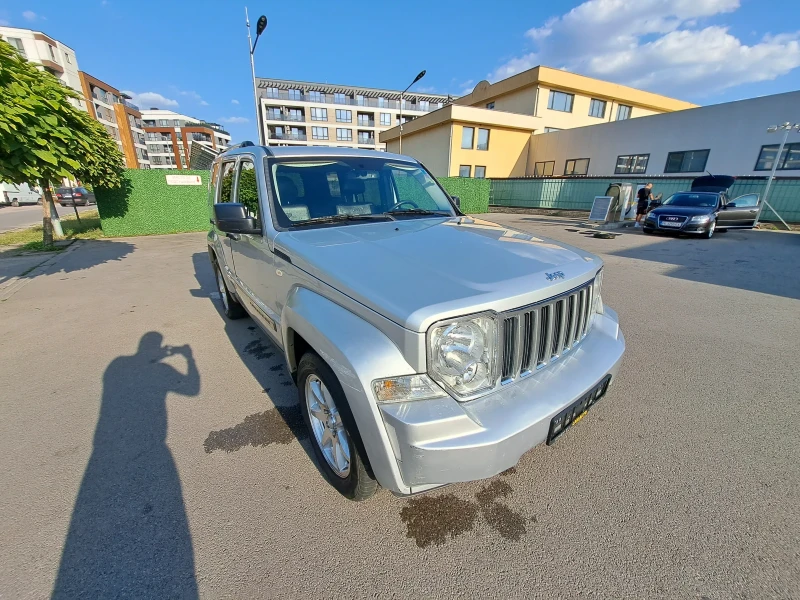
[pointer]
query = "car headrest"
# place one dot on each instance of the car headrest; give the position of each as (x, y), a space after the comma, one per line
(287, 190)
(352, 187)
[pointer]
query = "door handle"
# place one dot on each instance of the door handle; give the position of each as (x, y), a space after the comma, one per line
(754, 211)
(233, 236)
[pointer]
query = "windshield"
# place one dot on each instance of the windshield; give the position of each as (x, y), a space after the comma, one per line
(687, 199)
(347, 190)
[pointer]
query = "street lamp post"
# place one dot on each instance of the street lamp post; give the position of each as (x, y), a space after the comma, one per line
(416, 79)
(261, 25)
(787, 127)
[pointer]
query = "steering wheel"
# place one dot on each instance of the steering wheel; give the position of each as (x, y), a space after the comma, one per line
(399, 204)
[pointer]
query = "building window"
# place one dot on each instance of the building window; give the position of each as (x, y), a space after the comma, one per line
(319, 114)
(467, 136)
(295, 95)
(386, 119)
(67, 58)
(490, 105)
(551, 129)
(480, 172)
(315, 96)
(275, 113)
(52, 52)
(295, 114)
(597, 108)
(340, 98)
(623, 112)
(360, 100)
(382, 102)
(319, 133)
(576, 166)
(344, 135)
(483, 139)
(163, 122)
(789, 159)
(273, 93)
(690, 161)
(560, 101)
(344, 116)
(464, 171)
(424, 105)
(631, 163)
(544, 168)
(17, 43)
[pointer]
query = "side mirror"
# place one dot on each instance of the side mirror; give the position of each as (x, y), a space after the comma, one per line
(231, 217)
(456, 201)
(730, 205)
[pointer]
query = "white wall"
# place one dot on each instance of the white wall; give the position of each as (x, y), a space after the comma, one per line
(733, 132)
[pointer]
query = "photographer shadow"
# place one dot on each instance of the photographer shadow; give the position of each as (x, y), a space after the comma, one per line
(129, 533)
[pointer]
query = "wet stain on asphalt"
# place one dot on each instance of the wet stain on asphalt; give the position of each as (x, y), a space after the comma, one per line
(434, 520)
(259, 350)
(431, 520)
(277, 367)
(279, 425)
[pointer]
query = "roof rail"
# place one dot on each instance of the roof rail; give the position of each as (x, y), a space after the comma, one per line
(244, 144)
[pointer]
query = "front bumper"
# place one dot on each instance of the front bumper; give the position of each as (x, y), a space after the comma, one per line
(442, 441)
(685, 228)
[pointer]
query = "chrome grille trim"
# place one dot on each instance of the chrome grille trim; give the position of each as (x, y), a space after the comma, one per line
(537, 335)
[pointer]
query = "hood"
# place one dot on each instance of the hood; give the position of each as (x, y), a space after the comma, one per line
(712, 183)
(688, 211)
(418, 271)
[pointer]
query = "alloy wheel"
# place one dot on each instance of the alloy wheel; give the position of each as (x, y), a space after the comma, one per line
(223, 291)
(327, 425)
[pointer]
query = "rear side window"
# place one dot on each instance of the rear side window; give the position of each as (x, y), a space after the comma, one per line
(247, 189)
(225, 186)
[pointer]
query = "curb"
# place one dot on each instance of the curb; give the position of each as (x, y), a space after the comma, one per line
(15, 284)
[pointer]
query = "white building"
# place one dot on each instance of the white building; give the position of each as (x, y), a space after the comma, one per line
(48, 54)
(170, 136)
(729, 138)
(301, 113)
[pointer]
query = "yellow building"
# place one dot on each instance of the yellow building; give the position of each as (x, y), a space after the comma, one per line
(487, 133)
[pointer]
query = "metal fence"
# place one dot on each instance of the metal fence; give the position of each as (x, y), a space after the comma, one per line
(577, 193)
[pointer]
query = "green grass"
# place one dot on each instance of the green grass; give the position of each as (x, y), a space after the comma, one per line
(31, 238)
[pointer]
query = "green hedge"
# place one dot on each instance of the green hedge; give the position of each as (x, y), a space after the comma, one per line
(146, 205)
(474, 193)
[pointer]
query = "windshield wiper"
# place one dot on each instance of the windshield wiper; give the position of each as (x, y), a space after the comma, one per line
(418, 211)
(341, 218)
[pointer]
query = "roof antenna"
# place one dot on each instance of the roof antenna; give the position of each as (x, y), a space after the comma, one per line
(709, 173)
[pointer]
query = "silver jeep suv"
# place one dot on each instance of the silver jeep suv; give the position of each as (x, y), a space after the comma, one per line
(428, 347)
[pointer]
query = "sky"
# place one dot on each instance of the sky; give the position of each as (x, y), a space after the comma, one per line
(192, 57)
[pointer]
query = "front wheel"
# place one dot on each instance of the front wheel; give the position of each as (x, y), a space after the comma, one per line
(230, 306)
(334, 435)
(647, 230)
(15, 202)
(710, 232)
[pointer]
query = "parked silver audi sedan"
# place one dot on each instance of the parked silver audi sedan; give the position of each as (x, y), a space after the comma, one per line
(428, 347)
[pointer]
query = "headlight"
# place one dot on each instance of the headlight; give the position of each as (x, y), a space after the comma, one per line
(598, 299)
(462, 354)
(404, 389)
(701, 218)
(651, 217)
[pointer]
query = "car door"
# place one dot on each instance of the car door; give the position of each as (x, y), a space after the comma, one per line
(254, 260)
(224, 193)
(742, 211)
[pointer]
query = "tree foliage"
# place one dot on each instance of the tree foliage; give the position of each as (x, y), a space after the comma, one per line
(43, 136)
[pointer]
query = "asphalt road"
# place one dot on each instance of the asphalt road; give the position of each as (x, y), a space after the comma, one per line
(14, 217)
(147, 472)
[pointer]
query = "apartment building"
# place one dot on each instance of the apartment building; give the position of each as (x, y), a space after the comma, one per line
(321, 114)
(48, 54)
(120, 117)
(170, 135)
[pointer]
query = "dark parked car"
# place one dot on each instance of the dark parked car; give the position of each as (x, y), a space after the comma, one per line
(704, 209)
(67, 196)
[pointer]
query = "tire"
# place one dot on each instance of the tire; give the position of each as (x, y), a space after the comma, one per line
(647, 230)
(63, 205)
(342, 461)
(14, 202)
(711, 228)
(230, 305)
(39, 202)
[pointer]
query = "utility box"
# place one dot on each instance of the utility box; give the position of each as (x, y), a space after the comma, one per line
(623, 205)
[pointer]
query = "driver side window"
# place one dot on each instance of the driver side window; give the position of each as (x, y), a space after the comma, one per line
(746, 201)
(411, 190)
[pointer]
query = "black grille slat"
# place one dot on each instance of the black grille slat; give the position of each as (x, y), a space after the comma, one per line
(558, 326)
(570, 324)
(581, 308)
(528, 320)
(509, 343)
(546, 335)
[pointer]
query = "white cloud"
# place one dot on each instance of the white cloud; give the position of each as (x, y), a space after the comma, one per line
(466, 87)
(151, 100)
(234, 101)
(234, 119)
(29, 15)
(656, 45)
(194, 96)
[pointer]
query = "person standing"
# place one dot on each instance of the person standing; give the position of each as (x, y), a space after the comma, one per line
(643, 196)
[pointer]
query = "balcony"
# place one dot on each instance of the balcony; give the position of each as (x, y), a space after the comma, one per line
(299, 137)
(129, 104)
(154, 137)
(366, 140)
(366, 123)
(276, 116)
(331, 99)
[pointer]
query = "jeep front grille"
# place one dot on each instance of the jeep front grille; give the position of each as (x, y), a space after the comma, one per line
(535, 336)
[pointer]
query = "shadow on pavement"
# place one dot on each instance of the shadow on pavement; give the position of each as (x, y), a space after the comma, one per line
(739, 259)
(266, 363)
(129, 534)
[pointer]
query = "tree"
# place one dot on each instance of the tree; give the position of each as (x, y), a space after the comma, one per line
(45, 137)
